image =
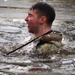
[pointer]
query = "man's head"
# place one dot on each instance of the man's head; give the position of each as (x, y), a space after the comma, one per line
(44, 9)
(40, 17)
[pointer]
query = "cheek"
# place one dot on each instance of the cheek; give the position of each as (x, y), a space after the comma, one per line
(33, 22)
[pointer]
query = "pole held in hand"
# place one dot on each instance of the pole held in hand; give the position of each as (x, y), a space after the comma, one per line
(28, 43)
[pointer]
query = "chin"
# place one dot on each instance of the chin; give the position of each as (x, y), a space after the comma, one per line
(30, 31)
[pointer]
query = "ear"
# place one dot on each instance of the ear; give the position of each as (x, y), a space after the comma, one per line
(43, 19)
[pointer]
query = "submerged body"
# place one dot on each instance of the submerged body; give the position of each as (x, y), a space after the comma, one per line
(47, 45)
(39, 19)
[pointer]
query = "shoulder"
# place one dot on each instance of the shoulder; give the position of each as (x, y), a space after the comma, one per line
(53, 36)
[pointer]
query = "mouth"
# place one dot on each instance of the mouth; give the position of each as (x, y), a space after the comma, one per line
(28, 26)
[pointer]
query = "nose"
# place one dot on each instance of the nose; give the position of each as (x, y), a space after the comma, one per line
(26, 19)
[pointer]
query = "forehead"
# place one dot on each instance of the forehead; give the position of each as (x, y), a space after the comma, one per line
(31, 11)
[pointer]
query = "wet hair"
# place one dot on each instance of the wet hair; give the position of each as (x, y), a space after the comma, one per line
(45, 9)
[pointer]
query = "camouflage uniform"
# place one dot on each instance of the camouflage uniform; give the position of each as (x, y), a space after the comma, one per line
(48, 44)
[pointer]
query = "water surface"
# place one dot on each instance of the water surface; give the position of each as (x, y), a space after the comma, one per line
(13, 31)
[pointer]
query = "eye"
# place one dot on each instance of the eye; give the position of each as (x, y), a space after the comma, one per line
(30, 15)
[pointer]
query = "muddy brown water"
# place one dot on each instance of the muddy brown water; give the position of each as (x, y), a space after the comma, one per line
(13, 31)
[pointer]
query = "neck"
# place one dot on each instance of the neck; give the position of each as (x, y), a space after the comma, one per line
(42, 30)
